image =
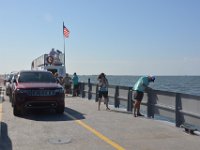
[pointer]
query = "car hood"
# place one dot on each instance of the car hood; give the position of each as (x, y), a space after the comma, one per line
(38, 85)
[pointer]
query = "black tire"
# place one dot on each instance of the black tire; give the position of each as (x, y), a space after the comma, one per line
(60, 109)
(16, 111)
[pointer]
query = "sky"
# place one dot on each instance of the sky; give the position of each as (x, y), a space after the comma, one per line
(117, 37)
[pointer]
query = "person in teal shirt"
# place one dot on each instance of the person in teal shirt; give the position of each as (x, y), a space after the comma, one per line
(139, 89)
(75, 80)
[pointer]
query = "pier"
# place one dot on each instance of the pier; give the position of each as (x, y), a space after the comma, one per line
(83, 127)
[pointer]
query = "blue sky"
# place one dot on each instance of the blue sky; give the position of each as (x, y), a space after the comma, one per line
(118, 37)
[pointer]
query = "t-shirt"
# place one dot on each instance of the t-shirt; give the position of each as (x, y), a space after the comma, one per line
(139, 85)
(67, 81)
(75, 80)
(103, 84)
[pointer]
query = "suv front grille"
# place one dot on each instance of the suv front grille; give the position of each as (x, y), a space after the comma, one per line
(42, 93)
(37, 92)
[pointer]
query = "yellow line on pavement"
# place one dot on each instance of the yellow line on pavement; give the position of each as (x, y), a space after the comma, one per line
(101, 136)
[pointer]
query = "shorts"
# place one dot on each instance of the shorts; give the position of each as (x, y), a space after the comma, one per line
(138, 95)
(67, 87)
(76, 87)
(103, 94)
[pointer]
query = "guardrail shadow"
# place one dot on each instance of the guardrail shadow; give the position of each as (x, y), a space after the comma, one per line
(51, 115)
(5, 142)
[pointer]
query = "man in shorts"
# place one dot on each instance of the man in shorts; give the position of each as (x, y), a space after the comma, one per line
(139, 88)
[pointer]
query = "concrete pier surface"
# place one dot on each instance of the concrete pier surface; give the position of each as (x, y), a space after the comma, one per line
(83, 127)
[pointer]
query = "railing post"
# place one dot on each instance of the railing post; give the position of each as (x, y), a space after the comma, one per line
(150, 104)
(97, 93)
(82, 90)
(178, 115)
(89, 89)
(116, 101)
(80, 87)
(130, 101)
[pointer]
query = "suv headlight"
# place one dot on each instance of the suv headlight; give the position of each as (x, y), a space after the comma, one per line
(59, 91)
(21, 91)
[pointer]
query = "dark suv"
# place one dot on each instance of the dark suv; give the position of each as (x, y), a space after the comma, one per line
(37, 89)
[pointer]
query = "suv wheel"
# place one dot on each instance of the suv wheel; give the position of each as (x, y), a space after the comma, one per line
(60, 109)
(16, 111)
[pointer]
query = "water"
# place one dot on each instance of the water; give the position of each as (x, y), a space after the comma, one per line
(180, 84)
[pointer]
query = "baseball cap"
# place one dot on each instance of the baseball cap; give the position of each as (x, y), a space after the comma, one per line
(153, 78)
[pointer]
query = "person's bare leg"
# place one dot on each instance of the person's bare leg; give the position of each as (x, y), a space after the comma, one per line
(136, 108)
(106, 100)
(99, 103)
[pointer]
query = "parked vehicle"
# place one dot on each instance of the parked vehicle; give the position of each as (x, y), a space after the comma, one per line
(34, 89)
(8, 83)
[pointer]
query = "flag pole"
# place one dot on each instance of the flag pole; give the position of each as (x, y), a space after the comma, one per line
(64, 42)
(65, 35)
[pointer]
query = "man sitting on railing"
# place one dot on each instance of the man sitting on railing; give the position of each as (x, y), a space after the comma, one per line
(139, 88)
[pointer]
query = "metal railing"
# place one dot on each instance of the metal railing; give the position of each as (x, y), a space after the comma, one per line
(176, 107)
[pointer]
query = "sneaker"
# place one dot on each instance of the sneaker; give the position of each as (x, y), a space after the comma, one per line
(107, 108)
(140, 115)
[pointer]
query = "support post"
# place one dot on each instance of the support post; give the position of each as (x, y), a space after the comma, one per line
(130, 101)
(117, 102)
(89, 89)
(178, 115)
(150, 104)
(97, 93)
(82, 90)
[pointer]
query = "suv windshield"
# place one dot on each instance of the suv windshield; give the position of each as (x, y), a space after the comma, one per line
(36, 77)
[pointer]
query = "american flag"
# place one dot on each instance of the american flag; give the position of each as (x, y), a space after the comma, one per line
(65, 31)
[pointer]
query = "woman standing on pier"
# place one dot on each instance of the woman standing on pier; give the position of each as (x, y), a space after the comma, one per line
(103, 90)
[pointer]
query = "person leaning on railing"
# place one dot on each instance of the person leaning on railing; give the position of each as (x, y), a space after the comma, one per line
(139, 88)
